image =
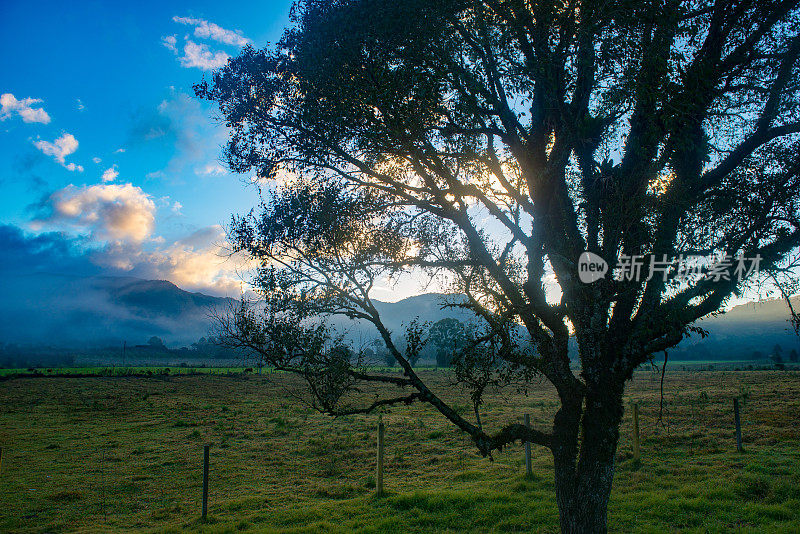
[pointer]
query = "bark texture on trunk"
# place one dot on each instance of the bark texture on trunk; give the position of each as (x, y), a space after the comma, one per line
(584, 466)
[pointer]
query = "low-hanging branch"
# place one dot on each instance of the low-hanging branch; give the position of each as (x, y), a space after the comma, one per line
(493, 144)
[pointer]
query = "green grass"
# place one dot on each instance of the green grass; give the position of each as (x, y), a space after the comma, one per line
(122, 371)
(122, 453)
(151, 370)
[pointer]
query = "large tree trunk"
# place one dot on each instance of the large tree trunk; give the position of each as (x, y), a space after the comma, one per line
(584, 467)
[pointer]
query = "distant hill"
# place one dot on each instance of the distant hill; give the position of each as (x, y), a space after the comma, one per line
(76, 312)
(66, 311)
(742, 331)
(736, 335)
(158, 298)
(397, 315)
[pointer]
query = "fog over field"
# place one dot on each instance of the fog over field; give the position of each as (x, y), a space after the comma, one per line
(75, 312)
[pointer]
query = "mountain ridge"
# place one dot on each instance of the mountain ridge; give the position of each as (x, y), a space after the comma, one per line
(74, 311)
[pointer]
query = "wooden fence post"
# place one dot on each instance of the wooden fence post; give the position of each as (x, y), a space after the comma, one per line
(379, 469)
(205, 480)
(636, 431)
(738, 424)
(528, 467)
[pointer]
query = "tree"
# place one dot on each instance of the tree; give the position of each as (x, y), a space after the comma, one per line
(448, 336)
(376, 353)
(777, 354)
(793, 356)
(156, 343)
(509, 145)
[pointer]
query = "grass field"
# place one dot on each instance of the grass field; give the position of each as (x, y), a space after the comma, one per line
(117, 371)
(117, 453)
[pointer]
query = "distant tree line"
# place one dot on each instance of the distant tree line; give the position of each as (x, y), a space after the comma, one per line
(779, 357)
(13, 355)
(439, 343)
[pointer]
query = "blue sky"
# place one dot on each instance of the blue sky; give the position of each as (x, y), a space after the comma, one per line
(108, 163)
(102, 143)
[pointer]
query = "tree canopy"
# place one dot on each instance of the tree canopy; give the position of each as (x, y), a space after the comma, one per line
(447, 336)
(493, 143)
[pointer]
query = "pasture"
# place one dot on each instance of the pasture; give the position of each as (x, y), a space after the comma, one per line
(122, 453)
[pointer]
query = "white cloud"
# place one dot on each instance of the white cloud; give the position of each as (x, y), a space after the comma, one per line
(110, 174)
(194, 138)
(209, 30)
(119, 151)
(24, 108)
(199, 55)
(199, 262)
(173, 206)
(110, 211)
(60, 149)
(202, 260)
(79, 105)
(170, 41)
(96, 160)
(117, 223)
(193, 135)
(211, 169)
